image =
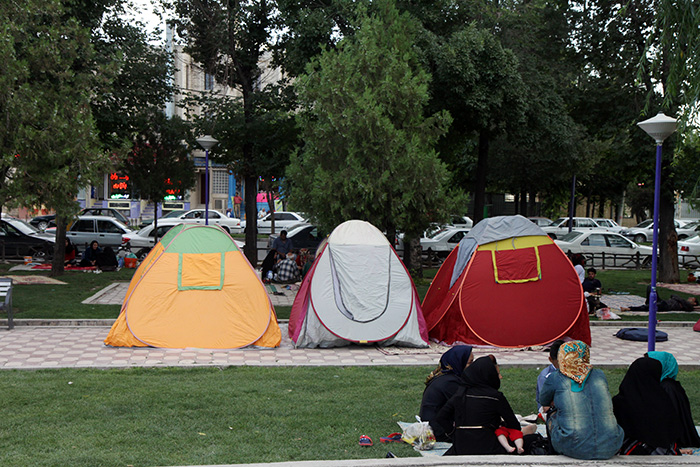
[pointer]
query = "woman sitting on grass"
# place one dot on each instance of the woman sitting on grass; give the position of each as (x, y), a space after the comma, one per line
(669, 370)
(443, 382)
(581, 423)
(471, 417)
(645, 411)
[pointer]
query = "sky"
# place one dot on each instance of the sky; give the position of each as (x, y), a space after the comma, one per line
(145, 14)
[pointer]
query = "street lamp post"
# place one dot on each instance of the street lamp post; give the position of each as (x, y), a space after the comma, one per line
(659, 128)
(207, 142)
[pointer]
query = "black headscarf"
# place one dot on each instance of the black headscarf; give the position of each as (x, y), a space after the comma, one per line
(454, 361)
(643, 409)
(482, 374)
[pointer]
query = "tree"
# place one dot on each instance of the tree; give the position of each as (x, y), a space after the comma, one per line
(158, 164)
(368, 148)
(230, 39)
(53, 134)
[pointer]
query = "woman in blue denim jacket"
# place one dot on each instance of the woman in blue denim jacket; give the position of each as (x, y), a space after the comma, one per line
(581, 424)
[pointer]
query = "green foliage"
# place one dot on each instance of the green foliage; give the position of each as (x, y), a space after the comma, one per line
(159, 163)
(368, 149)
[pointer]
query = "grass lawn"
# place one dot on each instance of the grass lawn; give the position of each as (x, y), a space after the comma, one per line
(213, 416)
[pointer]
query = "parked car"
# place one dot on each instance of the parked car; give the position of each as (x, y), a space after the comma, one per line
(560, 226)
(141, 242)
(109, 212)
(644, 232)
(464, 222)
(284, 220)
(443, 241)
(19, 239)
(609, 224)
(302, 236)
(597, 242)
(541, 221)
(43, 222)
(170, 215)
(106, 230)
(196, 216)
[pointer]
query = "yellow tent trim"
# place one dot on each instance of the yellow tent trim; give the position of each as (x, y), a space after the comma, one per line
(516, 243)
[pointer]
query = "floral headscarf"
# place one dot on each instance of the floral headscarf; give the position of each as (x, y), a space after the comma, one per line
(575, 362)
(669, 364)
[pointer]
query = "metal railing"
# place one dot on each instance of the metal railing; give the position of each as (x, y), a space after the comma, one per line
(614, 260)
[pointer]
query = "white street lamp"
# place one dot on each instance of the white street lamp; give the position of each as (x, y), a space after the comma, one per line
(207, 142)
(659, 128)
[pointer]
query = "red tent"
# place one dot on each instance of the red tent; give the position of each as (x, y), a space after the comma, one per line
(506, 284)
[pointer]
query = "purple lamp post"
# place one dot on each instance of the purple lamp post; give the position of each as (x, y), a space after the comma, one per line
(207, 142)
(659, 128)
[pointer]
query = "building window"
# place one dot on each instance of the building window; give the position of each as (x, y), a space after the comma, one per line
(219, 182)
(208, 82)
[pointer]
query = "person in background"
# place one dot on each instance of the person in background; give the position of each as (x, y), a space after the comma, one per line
(308, 264)
(286, 271)
(70, 254)
(237, 201)
(645, 411)
(443, 382)
(581, 423)
(669, 371)
(282, 245)
(553, 366)
(591, 289)
(91, 254)
(579, 262)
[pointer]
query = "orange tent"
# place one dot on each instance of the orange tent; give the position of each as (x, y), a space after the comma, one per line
(195, 289)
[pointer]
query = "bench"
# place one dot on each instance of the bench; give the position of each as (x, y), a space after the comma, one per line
(6, 300)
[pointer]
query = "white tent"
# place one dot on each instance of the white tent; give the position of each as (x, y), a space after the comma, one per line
(358, 291)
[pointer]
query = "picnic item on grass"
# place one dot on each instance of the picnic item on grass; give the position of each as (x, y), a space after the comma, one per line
(606, 313)
(365, 441)
(640, 334)
(419, 434)
(392, 438)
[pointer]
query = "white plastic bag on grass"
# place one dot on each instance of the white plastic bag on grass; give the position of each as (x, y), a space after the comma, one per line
(419, 434)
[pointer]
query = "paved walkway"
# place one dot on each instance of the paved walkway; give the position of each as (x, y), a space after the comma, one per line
(31, 347)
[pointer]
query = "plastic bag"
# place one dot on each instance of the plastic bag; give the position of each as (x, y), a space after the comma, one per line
(419, 434)
(606, 313)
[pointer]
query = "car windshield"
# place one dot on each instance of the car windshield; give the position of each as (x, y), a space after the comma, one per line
(173, 214)
(691, 225)
(571, 236)
(436, 233)
(645, 224)
(23, 227)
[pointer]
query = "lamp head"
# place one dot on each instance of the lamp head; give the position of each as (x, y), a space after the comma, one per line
(207, 142)
(659, 127)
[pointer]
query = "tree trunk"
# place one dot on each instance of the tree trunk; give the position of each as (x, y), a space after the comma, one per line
(533, 210)
(251, 215)
(668, 242)
(155, 223)
(523, 203)
(481, 172)
(59, 249)
(413, 255)
(516, 203)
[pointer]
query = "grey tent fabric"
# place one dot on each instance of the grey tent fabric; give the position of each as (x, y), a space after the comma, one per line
(492, 229)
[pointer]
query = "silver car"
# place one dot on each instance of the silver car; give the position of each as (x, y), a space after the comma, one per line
(106, 230)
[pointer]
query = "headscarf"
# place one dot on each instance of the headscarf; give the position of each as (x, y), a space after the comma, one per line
(454, 361)
(669, 365)
(482, 374)
(643, 409)
(575, 363)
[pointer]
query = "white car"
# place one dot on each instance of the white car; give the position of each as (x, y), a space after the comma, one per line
(284, 220)
(560, 227)
(464, 222)
(106, 230)
(608, 224)
(597, 242)
(196, 216)
(643, 232)
(443, 241)
(141, 242)
(689, 251)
